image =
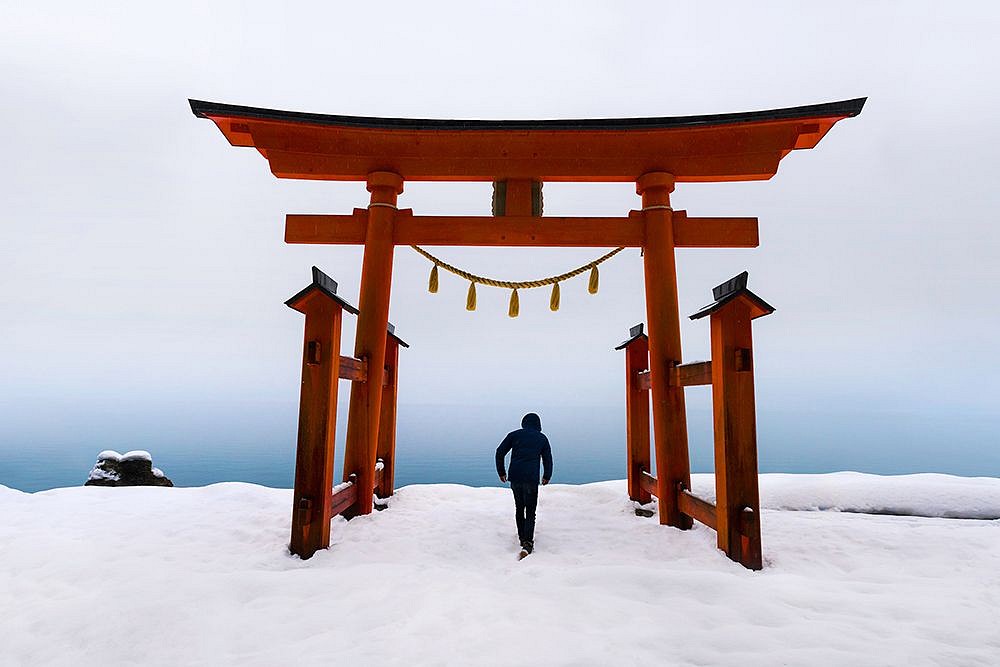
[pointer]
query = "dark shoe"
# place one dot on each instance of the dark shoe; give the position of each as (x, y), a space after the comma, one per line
(528, 546)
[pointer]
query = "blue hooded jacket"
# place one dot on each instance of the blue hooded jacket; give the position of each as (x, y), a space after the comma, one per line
(527, 445)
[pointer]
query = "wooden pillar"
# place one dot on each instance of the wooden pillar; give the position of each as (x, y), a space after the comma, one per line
(737, 496)
(636, 413)
(314, 454)
(370, 342)
(387, 420)
(673, 471)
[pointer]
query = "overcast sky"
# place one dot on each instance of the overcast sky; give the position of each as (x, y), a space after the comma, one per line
(142, 262)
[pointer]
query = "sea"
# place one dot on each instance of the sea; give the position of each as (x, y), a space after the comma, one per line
(452, 444)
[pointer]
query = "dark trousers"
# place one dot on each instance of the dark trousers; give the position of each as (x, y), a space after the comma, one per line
(525, 501)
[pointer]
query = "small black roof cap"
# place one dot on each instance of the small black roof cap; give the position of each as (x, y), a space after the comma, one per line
(634, 333)
(392, 332)
(729, 290)
(326, 285)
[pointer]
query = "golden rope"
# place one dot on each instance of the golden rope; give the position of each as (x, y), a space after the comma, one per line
(515, 304)
(510, 284)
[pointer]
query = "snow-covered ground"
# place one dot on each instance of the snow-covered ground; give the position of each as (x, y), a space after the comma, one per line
(178, 576)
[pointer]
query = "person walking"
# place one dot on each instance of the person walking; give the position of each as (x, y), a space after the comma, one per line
(527, 446)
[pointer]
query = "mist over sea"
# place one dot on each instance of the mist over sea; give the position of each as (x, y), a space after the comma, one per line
(200, 444)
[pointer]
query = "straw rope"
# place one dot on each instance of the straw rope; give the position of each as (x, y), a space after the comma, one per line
(515, 304)
(512, 284)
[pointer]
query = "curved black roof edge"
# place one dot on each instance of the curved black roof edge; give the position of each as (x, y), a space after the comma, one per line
(716, 305)
(392, 332)
(848, 108)
(729, 290)
(326, 285)
(634, 333)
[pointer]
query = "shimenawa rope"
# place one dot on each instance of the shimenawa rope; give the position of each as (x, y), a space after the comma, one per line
(515, 306)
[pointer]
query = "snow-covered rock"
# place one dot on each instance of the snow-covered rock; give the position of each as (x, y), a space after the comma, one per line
(203, 576)
(133, 468)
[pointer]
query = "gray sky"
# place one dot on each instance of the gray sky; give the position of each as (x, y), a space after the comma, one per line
(142, 261)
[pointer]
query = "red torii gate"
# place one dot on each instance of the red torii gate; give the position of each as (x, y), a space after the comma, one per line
(654, 153)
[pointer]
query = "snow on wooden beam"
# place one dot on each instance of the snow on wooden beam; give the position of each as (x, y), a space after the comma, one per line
(343, 497)
(648, 483)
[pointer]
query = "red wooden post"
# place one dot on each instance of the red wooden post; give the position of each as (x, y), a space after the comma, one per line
(311, 510)
(673, 470)
(737, 497)
(637, 413)
(387, 420)
(370, 343)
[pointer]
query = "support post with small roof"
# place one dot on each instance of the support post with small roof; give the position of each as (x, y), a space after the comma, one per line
(314, 454)
(637, 450)
(737, 497)
(386, 454)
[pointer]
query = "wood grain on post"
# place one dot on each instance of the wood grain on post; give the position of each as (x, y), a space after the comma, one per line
(386, 451)
(735, 434)
(669, 419)
(637, 418)
(370, 341)
(314, 455)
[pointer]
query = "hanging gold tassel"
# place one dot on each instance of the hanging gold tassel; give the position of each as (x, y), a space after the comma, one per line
(515, 305)
(592, 287)
(432, 285)
(470, 300)
(554, 299)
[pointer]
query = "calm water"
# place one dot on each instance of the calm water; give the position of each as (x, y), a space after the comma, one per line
(195, 446)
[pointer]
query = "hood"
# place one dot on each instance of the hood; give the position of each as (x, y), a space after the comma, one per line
(531, 420)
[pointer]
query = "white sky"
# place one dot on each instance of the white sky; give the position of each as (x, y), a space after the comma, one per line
(142, 261)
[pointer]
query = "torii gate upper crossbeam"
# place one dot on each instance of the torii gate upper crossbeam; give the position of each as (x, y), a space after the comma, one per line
(589, 232)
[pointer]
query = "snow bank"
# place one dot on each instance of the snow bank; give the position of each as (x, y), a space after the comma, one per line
(201, 576)
(7, 493)
(928, 494)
